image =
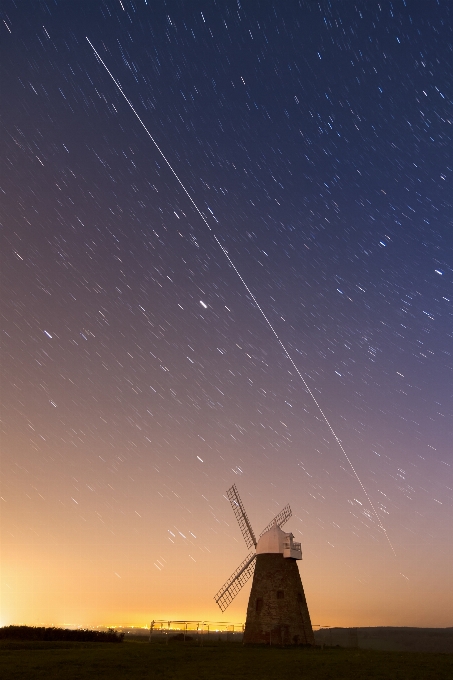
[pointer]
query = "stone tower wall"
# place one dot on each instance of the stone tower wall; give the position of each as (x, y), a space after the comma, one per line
(277, 611)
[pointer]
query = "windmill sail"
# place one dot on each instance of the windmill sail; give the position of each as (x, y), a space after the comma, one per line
(241, 516)
(238, 578)
(280, 519)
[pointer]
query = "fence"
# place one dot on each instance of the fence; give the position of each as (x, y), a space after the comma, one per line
(161, 630)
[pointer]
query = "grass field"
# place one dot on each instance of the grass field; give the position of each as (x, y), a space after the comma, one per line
(137, 660)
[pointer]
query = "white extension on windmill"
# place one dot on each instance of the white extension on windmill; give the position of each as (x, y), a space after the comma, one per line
(277, 611)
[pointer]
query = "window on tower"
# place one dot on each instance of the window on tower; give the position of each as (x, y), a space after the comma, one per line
(259, 604)
(280, 595)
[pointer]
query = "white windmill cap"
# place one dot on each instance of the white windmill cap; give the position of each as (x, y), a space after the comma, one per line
(272, 541)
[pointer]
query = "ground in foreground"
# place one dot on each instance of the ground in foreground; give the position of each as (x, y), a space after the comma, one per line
(136, 660)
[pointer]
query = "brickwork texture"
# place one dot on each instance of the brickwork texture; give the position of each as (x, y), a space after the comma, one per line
(277, 612)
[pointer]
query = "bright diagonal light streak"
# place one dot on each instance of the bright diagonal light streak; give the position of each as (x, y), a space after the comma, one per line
(225, 252)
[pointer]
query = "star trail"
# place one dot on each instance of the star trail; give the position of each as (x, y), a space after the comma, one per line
(251, 284)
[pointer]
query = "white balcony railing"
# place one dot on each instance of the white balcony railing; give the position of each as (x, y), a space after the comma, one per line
(293, 550)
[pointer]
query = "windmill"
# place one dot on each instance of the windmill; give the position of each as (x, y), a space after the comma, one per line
(277, 611)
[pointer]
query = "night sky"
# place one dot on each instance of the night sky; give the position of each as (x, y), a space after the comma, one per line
(140, 380)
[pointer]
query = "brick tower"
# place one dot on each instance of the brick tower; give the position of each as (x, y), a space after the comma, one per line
(277, 613)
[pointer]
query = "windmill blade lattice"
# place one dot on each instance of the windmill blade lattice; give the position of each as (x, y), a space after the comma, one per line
(280, 519)
(241, 516)
(237, 580)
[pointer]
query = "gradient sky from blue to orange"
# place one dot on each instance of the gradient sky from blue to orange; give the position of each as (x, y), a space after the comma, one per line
(139, 379)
